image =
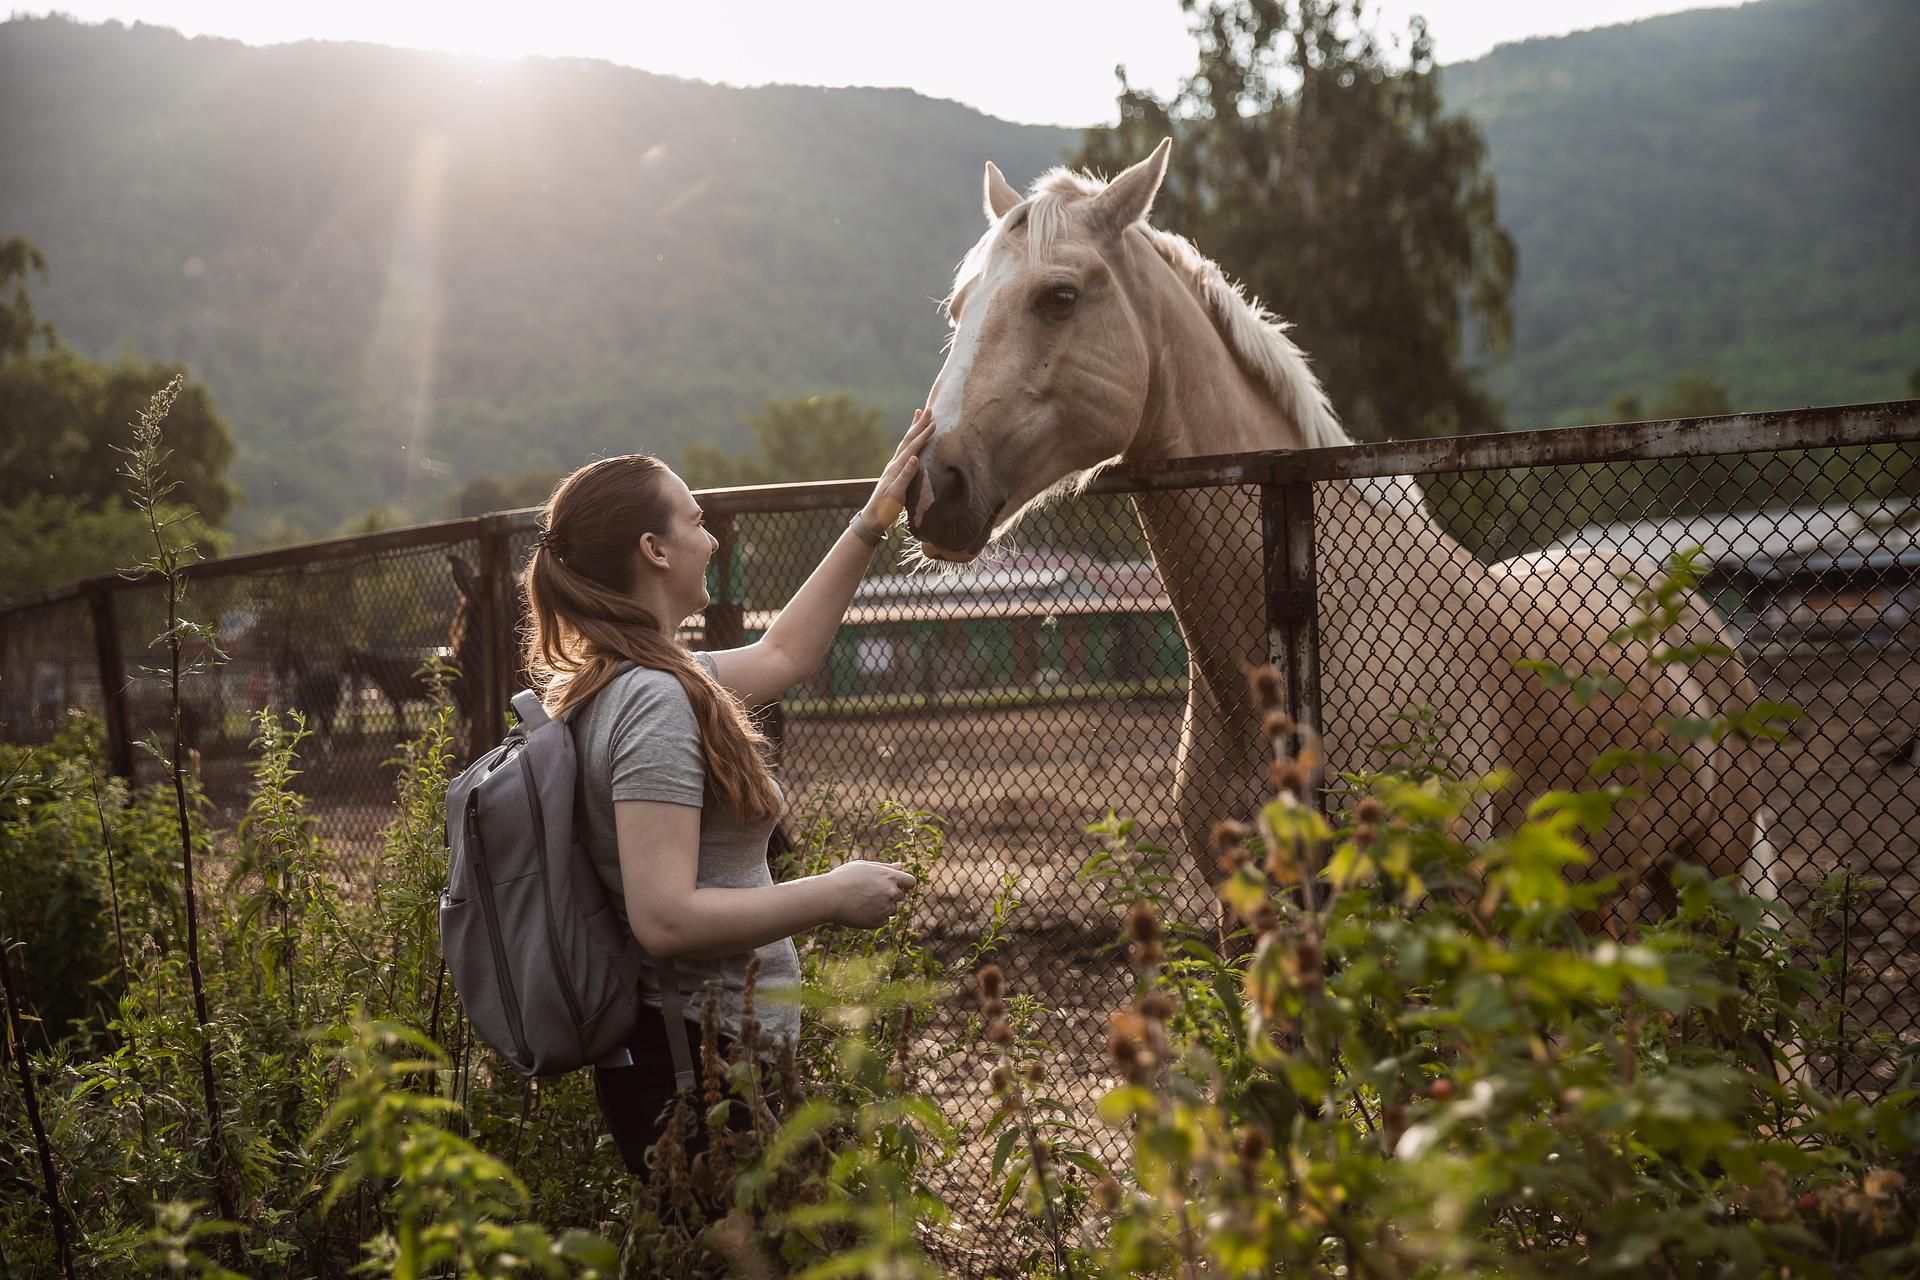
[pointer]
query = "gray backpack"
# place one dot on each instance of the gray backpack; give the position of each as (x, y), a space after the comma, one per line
(545, 969)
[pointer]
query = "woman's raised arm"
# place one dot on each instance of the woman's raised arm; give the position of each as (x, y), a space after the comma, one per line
(796, 644)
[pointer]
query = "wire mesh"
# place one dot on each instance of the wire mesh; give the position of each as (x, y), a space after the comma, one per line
(1810, 562)
(51, 668)
(344, 642)
(1023, 698)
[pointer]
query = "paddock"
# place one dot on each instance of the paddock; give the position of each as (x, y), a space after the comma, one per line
(1022, 703)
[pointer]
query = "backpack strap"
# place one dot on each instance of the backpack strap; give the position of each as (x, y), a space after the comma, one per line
(675, 1017)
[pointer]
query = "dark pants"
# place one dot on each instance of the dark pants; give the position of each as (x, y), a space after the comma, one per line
(637, 1101)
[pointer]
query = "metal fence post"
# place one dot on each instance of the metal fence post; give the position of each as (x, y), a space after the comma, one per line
(113, 678)
(1293, 632)
(500, 632)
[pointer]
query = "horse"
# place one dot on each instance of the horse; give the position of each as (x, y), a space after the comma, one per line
(1083, 337)
(317, 685)
(312, 686)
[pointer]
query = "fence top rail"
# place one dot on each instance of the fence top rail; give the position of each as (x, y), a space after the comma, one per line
(1891, 422)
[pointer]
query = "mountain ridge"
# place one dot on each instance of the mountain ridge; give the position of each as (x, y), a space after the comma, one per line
(399, 269)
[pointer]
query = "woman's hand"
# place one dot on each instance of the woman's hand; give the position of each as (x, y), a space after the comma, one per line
(890, 495)
(866, 894)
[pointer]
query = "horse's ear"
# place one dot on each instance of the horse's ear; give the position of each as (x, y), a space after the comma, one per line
(1000, 195)
(1129, 197)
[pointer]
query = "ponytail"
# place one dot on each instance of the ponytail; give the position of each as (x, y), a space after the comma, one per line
(584, 622)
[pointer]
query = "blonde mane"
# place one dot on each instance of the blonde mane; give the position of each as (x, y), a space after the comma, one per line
(1256, 337)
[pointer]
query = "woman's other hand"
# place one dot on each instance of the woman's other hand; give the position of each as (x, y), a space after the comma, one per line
(890, 495)
(866, 894)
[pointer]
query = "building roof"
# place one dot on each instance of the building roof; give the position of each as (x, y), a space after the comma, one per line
(1887, 532)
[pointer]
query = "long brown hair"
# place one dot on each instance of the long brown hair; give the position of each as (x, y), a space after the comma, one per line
(585, 621)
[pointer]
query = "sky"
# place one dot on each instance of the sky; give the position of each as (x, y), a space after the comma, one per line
(1032, 61)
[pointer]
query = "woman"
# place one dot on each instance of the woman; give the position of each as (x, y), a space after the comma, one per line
(677, 802)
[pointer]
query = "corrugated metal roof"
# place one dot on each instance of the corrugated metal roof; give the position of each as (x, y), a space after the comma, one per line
(1745, 537)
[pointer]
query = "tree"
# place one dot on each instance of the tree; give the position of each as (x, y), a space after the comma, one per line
(831, 437)
(1913, 383)
(19, 327)
(1627, 406)
(1694, 395)
(47, 539)
(62, 415)
(487, 493)
(1321, 170)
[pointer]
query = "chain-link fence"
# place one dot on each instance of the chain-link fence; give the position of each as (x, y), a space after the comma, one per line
(1020, 700)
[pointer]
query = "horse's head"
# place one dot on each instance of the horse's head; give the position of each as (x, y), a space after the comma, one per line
(1047, 374)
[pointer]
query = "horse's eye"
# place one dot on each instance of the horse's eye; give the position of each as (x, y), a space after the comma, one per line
(1057, 300)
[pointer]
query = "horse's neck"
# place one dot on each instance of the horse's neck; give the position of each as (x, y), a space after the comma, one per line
(1207, 542)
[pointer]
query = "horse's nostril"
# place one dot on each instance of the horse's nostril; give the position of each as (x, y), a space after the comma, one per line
(949, 484)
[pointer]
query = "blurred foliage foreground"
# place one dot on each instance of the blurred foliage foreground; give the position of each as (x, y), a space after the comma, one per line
(1410, 1062)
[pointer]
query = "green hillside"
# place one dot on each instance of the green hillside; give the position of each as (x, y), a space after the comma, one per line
(1731, 190)
(397, 270)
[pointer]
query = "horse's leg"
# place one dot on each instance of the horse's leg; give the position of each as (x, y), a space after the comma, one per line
(393, 684)
(1218, 777)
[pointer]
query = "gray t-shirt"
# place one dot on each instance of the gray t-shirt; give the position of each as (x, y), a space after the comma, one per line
(637, 739)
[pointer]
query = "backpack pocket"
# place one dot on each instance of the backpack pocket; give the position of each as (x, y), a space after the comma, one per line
(482, 977)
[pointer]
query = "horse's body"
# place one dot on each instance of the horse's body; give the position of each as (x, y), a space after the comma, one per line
(317, 685)
(1085, 337)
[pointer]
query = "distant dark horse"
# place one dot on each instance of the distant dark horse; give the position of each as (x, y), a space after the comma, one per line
(317, 685)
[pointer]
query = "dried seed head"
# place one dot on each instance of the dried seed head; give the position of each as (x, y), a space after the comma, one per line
(1106, 1194)
(1369, 810)
(1278, 724)
(1264, 684)
(1143, 923)
(1227, 838)
(747, 990)
(1364, 837)
(1146, 953)
(1310, 965)
(990, 981)
(1251, 1143)
(1283, 866)
(1000, 1079)
(1035, 1072)
(1289, 778)
(1155, 1005)
(991, 1009)
(1127, 1042)
(999, 1032)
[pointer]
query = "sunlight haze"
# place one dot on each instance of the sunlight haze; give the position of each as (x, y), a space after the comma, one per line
(1046, 63)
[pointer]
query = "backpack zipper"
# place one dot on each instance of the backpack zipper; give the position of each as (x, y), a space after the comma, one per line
(509, 998)
(546, 893)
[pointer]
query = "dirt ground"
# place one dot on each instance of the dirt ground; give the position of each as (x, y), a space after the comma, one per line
(1017, 787)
